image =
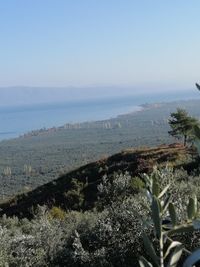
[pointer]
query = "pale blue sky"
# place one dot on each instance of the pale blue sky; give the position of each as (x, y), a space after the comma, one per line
(140, 43)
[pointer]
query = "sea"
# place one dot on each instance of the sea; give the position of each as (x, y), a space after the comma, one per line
(18, 120)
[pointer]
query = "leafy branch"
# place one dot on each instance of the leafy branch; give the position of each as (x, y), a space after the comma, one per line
(165, 223)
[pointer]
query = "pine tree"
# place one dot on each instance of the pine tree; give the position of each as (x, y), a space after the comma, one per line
(182, 125)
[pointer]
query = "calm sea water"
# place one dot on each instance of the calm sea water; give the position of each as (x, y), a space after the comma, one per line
(15, 121)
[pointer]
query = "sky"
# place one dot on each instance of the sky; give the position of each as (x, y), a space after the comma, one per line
(93, 43)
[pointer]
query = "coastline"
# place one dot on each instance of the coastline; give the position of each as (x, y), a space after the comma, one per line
(93, 123)
(82, 125)
(103, 123)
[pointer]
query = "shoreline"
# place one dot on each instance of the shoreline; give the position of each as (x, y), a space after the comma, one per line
(77, 125)
(67, 125)
(87, 123)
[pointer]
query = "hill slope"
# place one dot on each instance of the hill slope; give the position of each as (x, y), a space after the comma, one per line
(78, 188)
(60, 150)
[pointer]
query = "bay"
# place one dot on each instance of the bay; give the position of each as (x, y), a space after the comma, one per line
(15, 121)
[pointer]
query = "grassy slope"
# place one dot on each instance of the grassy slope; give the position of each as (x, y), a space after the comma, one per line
(56, 192)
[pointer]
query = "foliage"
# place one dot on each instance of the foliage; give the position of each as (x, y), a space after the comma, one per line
(75, 195)
(29, 243)
(53, 153)
(182, 125)
(57, 213)
(137, 184)
(77, 190)
(110, 237)
(114, 189)
(166, 225)
(111, 234)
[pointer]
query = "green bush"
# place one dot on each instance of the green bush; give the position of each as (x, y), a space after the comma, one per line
(57, 213)
(110, 237)
(137, 184)
(167, 226)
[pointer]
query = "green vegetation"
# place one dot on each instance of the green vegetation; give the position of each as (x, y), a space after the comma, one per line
(118, 211)
(78, 189)
(57, 213)
(53, 153)
(167, 225)
(183, 125)
(111, 235)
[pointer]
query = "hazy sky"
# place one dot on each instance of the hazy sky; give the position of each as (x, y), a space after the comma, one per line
(142, 43)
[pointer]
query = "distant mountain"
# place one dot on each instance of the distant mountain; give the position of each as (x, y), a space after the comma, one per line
(14, 96)
(24, 95)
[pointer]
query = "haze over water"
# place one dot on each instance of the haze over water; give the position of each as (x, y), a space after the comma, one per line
(18, 120)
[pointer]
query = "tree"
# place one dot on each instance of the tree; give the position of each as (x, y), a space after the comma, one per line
(182, 125)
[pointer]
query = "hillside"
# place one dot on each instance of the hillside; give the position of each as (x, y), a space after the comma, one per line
(78, 189)
(52, 153)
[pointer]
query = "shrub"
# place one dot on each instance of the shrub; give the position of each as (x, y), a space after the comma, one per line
(110, 237)
(167, 226)
(137, 184)
(57, 213)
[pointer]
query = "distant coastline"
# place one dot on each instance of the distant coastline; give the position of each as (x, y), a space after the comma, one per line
(20, 121)
(109, 123)
(105, 123)
(32, 121)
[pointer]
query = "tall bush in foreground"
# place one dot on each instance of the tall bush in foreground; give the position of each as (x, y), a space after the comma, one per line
(166, 225)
